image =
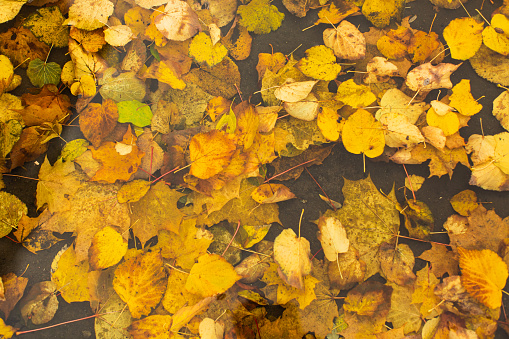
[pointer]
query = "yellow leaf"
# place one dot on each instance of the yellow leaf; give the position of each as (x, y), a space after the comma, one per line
(178, 21)
(332, 236)
(424, 292)
(294, 91)
(119, 35)
(140, 282)
(464, 37)
(89, 14)
(210, 153)
(333, 14)
(247, 120)
(380, 13)
(484, 275)
(502, 151)
(328, 124)
(9, 9)
(176, 296)
(363, 134)
(6, 73)
(152, 31)
(449, 123)
(138, 19)
(292, 256)
(501, 109)
(270, 193)
(319, 63)
(462, 99)
(183, 248)
(423, 45)
(211, 275)
(202, 50)
(6, 331)
(496, 36)
(85, 87)
(354, 95)
(260, 17)
(107, 249)
(153, 327)
(465, 202)
(71, 278)
(169, 76)
(394, 44)
(399, 132)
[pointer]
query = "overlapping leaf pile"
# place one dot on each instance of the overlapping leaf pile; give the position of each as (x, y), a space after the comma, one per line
(173, 161)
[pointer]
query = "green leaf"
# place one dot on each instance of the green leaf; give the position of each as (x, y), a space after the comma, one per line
(135, 112)
(74, 149)
(229, 120)
(42, 73)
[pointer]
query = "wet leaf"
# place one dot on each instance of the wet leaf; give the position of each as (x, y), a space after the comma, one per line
(463, 36)
(42, 73)
(107, 249)
(203, 50)
(363, 134)
(211, 275)
(260, 17)
(346, 41)
(484, 275)
(292, 256)
(178, 21)
(71, 276)
(40, 304)
(140, 282)
(89, 14)
(332, 236)
(13, 288)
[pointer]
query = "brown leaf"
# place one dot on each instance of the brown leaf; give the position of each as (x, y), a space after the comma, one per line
(346, 41)
(427, 77)
(315, 153)
(442, 260)
(28, 147)
(397, 264)
(98, 121)
(46, 106)
(40, 304)
(13, 291)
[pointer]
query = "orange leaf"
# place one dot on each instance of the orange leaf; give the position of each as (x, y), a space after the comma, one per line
(210, 153)
(97, 121)
(140, 282)
(483, 274)
(118, 163)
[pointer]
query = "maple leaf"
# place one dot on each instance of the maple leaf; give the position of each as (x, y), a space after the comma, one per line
(484, 275)
(403, 312)
(155, 211)
(424, 293)
(117, 165)
(140, 282)
(441, 259)
(370, 219)
(336, 12)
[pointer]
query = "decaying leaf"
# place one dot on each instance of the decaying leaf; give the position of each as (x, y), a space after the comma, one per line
(427, 77)
(332, 236)
(346, 41)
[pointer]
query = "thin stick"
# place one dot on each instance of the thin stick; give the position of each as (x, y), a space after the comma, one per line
(430, 27)
(231, 240)
(65, 322)
(300, 221)
(288, 170)
(176, 269)
(316, 182)
(18, 176)
(461, 3)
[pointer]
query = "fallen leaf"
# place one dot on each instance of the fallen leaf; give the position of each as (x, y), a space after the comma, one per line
(156, 210)
(380, 14)
(352, 269)
(140, 282)
(292, 91)
(441, 260)
(40, 304)
(151, 326)
(203, 50)
(178, 21)
(89, 14)
(210, 153)
(363, 134)
(427, 77)
(11, 211)
(210, 329)
(354, 95)
(271, 193)
(462, 99)
(92, 41)
(118, 35)
(484, 275)
(495, 36)
(292, 256)
(46, 24)
(463, 36)
(380, 70)
(124, 87)
(107, 249)
(500, 109)
(424, 295)
(13, 288)
(399, 132)
(414, 182)
(260, 17)
(135, 112)
(336, 12)
(491, 66)
(211, 275)
(70, 276)
(402, 311)
(319, 63)
(97, 121)
(465, 202)
(418, 219)
(9, 10)
(346, 41)
(332, 236)
(397, 263)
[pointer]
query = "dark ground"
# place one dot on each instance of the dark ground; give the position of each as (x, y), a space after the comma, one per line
(435, 192)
